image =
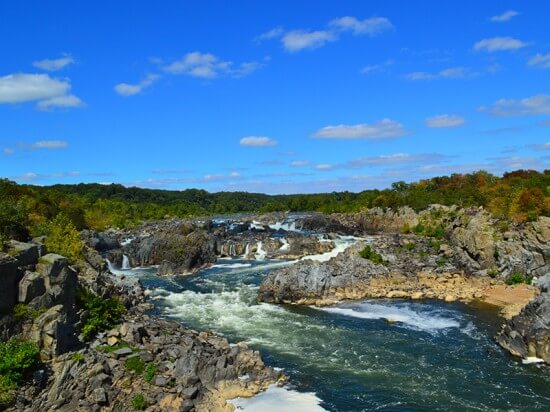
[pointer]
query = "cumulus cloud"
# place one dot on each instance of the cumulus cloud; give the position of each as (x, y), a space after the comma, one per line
(257, 141)
(8, 151)
(324, 167)
(385, 128)
(53, 65)
(297, 40)
(534, 105)
(449, 73)
(445, 120)
(496, 44)
(209, 66)
(47, 91)
(126, 89)
(540, 60)
(376, 68)
(371, 26)
(504, 17)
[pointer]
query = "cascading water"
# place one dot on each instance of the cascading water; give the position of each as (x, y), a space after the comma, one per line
(260, 253)
(246, 250)
(125, 263)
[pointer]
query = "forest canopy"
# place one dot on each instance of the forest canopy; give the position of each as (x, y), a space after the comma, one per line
(27, 210)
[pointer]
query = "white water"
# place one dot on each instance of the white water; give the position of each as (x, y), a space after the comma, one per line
(125, 263)
(340, 245)
(256, 225)
(277, 399)
(260, 253)
(233, 265)
(427, 321)
(285, 245)
(286, 226)
(531, 359)
(127, 241)
(247, 250)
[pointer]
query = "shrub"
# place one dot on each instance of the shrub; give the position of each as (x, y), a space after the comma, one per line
(77, 357)
(150, 372)
(22, 311)
(518, 278)
(370, 254)
(135, 364)
(419, 229)
(103, 314)
(17, 357)
(410, 246)
(63, 238)
(406, 228)
(438, 232)
(493, 272)
(435, 245)
(139, 403)
(441, 262)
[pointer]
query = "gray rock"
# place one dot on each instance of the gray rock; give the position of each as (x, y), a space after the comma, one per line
(31, 286)
(9, 277)
(27, 254)
(122, 352)
(99, 396)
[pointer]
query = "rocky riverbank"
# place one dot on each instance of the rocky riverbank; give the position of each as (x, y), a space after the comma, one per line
(142, 363)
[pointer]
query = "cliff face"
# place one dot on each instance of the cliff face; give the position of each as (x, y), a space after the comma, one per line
(528, 334)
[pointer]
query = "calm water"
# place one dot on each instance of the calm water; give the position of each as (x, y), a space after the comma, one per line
(436, 356)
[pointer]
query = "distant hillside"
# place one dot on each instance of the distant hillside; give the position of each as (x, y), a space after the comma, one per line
(26, 210)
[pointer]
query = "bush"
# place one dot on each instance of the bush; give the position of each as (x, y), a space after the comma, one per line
(17, 357)
(370, 254)
(103, 314)
(438, 232)
(435, 245)
(493, 272)
(63, 238)
(22, 311)
(518, 278)
(139, 403)
(419, 229)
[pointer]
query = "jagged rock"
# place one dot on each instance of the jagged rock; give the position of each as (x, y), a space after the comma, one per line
(31, 286)
(55, 332)
(9, 277)
(26, 254)
(528, 334)
(60, 279)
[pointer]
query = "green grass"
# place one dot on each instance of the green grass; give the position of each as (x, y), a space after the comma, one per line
(77, 357)
(441, 262)
(150, 372)
(370, 254)
(410, 246)
(135, 364)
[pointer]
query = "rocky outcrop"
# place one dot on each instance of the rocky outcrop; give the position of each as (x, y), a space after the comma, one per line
(9, 276)
(171, 367)
(528, 333)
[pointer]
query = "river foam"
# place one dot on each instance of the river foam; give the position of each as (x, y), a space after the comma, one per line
(279, 399)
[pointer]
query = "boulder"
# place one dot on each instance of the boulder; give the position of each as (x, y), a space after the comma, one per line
(55, 332)
(27, 254)
(60, 279)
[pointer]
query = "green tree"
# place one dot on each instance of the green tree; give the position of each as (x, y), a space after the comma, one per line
(63, 238)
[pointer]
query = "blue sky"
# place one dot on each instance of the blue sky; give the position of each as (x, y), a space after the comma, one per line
(275, 97)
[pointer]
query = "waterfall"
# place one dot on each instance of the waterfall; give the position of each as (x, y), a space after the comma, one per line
(285, 245)
(110, 266)
(247, 250)
(260, 253)
(232, 249)
(125, 263)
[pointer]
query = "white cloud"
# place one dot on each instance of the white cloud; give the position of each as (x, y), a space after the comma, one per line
(126, 89)
(324, 167)
(386, 128)
(297, 40)
(375, 68)
(299, 163)
(495, 44)
(31, 176)
(49, 92)
(445, 120)
(208, 66)
(54, 64)
(270, 34)
(68, 100)
(540, 147)
(257, 141)
(49, 144)
(371, 26)
(534, 105)
(504, 17)
(8, 151)
(449, 73)
(540, 60)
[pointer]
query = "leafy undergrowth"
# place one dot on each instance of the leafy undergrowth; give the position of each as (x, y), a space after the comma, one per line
(370, 254)
(103, 313)
(17, 358)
